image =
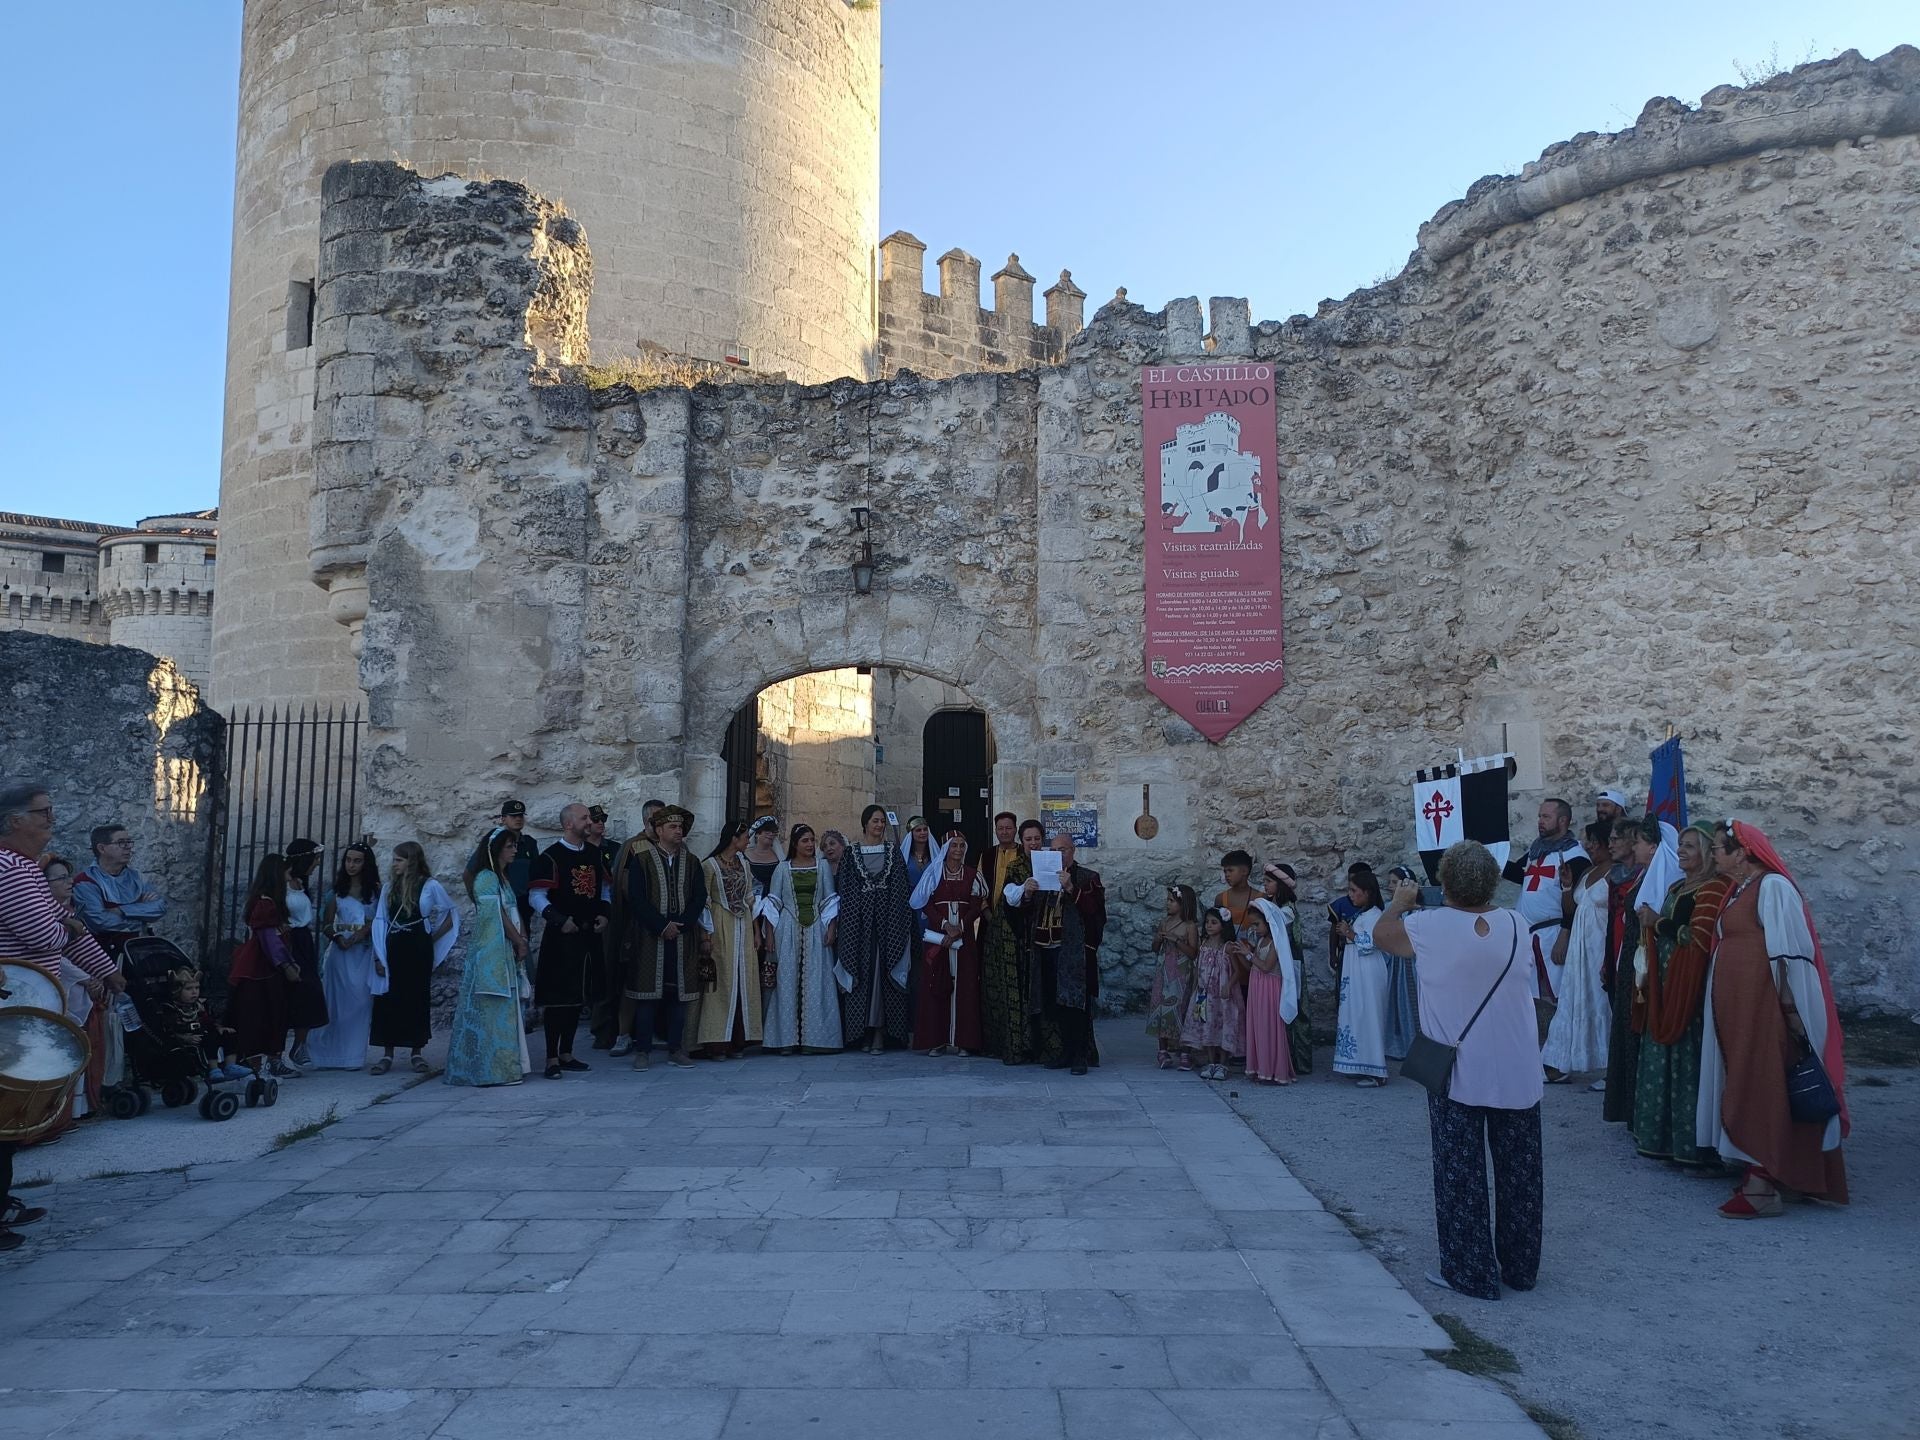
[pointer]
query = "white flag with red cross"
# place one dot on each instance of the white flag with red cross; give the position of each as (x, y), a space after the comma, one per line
(1436, 812)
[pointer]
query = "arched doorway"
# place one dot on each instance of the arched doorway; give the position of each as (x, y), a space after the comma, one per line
(821, 746)
(974, 664)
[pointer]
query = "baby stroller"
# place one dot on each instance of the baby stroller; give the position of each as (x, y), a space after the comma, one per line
(170, 1050)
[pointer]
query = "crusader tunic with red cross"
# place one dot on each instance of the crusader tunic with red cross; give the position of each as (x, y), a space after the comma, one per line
(1537, 873)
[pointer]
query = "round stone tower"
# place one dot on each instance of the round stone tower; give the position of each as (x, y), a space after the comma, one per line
(722, 155)
(157, 584)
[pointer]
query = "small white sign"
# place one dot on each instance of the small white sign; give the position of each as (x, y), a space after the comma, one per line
(1046, 869)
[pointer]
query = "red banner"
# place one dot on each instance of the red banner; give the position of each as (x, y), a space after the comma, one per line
(1213, 541)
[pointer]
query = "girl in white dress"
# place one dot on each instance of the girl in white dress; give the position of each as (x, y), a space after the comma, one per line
(1583, 1020)
(1360, 1044)
(341, 1044)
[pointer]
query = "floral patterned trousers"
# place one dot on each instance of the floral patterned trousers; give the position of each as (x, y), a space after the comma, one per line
(1478, 1252)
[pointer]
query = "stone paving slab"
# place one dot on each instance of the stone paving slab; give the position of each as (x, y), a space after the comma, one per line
(770, 1248)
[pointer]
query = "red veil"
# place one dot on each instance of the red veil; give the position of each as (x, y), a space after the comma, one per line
(1761, 852)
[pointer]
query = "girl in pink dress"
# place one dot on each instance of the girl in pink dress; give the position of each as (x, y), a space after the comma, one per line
(1176, 939)
(1268, 1056)
(1213, 1015)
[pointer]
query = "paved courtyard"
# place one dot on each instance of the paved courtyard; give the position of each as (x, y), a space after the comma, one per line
(766, 1248)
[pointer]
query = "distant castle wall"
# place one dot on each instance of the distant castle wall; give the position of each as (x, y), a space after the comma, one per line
(49, 578)
(158, 589)
(149, 588)
(951, 333)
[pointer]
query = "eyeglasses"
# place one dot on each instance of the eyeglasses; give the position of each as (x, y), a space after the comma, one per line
(46, 810)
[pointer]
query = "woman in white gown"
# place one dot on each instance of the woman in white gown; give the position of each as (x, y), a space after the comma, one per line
(803, 1008)
(348, 975)
(1360, 1042)
(1583, 1020)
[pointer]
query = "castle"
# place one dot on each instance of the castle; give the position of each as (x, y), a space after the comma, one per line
(149, 587)
(1626, 445)
(724, 156)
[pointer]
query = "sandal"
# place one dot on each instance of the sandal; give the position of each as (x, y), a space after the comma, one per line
(420, 1066)
(1744, 1207)
(382, 1065)
(1756, 1197)
(1186, 1062)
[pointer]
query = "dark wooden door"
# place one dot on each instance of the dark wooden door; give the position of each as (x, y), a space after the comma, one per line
(742, 754)
(957, 777)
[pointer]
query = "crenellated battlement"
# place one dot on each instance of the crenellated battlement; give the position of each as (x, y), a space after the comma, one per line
(48, 612)
(951, 333)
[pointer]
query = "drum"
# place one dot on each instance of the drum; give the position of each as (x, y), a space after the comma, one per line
(31, 987)
(41, 1055)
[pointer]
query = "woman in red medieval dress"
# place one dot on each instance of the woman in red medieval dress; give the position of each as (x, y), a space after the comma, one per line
(947, 1016)
(1769, 999)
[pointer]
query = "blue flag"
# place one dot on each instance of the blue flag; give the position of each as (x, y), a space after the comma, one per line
(1667, 795)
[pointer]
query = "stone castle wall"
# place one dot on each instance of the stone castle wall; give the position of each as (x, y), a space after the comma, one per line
(1639, 457)
(816, 737)
(724, 155)
(948, 332)
(903, 702)
(123, 740)
(43, 601)
(835, 741)
(106, 592)
(163, 606)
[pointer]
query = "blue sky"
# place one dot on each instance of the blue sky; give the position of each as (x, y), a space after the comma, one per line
(1076, 132)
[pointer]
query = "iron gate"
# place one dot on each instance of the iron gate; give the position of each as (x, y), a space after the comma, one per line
(286, 774)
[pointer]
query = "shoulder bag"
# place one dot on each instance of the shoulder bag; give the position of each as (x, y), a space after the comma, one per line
(1430, 1062)
(1810, 1097)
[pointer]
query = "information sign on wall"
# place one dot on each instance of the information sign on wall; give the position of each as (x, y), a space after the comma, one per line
(1213, 628)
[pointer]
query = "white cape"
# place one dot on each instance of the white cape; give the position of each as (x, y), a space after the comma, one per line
(1278, 918)
(435, 904)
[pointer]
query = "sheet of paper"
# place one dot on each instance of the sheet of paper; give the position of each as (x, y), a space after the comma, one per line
(1046, 868)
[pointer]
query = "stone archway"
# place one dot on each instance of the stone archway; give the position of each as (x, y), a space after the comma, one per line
(979, 656)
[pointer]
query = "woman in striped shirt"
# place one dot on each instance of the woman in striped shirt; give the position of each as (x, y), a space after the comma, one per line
(33, 929)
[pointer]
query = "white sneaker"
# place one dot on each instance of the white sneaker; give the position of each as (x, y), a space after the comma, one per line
(1597, 1086)
(622, 1047)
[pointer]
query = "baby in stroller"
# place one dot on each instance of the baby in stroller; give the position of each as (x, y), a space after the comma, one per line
(191, 1019)
(171, 1044)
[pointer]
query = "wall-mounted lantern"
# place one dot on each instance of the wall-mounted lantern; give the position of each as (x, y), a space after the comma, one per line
(863, 570)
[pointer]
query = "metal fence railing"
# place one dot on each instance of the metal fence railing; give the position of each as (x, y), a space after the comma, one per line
(287, 774)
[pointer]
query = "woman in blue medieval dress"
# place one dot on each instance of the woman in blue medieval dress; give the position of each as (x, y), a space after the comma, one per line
(489, 1044)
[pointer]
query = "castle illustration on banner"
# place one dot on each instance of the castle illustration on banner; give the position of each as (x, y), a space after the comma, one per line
(1207, 481)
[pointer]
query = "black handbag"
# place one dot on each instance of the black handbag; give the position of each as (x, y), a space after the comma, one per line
(1430, 1062)
(1810, 1097)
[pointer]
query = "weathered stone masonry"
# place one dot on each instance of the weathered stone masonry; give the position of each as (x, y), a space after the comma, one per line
(1625, 445)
